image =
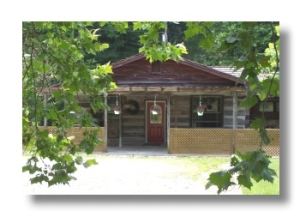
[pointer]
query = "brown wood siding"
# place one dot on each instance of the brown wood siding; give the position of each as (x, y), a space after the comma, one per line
(242, 113)
(171, 73)
(180, 111)
(272, 118)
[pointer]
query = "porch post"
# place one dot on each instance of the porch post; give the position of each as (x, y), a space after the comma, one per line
(45, 104)
(168, 120)
(175, 108)
(120, 123)
(234, 119)
(105, 122)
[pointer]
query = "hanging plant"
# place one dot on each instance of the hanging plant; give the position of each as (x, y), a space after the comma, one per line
(117, 109)
(200, 110)
(131, 106)
(155, 110)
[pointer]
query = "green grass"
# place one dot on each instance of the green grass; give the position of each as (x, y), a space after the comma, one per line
(265, 187)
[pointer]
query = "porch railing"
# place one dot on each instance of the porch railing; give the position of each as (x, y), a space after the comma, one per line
(220, 141)
(77, 132)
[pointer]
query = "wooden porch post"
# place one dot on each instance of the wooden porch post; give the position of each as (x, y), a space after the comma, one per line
(175, 108)
(234, 119)
(120, 122)
(168, 120)
(105, 122)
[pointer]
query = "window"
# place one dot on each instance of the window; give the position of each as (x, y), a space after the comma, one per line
(155, 114)
(213, 114)
(266, 106)
(277, 106)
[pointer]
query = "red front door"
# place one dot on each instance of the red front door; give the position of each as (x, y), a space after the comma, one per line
(155, 121)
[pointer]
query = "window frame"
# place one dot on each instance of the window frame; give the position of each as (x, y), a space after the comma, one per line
(196, 122)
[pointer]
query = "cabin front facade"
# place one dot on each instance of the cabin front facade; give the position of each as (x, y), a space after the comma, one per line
(183, 106)
(157, 104)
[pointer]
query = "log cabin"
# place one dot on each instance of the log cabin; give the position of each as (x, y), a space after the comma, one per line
(184, 106)
(176, 90)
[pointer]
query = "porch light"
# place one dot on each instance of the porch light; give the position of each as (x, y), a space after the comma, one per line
(116, 108)
(200, 109)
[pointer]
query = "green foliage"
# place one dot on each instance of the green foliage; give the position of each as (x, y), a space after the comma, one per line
(266, 187)
(153, 47)
(253, 61)
(244, 169)
(54, 61)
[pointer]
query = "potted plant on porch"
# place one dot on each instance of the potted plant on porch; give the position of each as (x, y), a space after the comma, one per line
(155, 110)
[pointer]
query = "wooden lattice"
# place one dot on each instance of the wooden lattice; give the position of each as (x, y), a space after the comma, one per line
(220, 141)
(200, 141)
(77, 133)
(249, 140)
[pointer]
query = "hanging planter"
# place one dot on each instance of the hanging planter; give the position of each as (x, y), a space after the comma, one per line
(117, 110)
(200, 110)
(155, 110)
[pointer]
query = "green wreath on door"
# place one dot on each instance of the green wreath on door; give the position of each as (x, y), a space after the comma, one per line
(131, 106)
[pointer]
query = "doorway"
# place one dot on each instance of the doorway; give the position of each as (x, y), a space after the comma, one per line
(155, 121)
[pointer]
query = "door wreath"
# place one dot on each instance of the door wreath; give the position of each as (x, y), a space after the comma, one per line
(131, 106)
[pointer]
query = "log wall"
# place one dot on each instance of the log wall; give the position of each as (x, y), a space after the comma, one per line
(133, 126)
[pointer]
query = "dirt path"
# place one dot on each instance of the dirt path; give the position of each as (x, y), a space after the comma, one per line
(128, 176)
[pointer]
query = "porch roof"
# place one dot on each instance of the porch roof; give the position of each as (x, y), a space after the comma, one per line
(136, 74)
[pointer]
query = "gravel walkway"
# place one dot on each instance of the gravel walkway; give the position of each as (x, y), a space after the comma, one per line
(123, 176)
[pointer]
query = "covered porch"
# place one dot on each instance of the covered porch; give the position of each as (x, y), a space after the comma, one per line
(137, 126)
(177, 90)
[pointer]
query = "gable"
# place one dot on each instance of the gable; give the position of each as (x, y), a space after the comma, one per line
(137, 71)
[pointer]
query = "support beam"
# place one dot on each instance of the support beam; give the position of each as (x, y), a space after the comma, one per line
(234, 119)
(120, 122)
(168, 120)
(175, 109)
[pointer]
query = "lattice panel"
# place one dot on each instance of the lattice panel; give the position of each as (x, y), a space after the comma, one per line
(220, 141)
(200, 141)
(249, 140)
(77, 132)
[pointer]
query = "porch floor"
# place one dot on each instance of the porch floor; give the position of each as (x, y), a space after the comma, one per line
(142, 150)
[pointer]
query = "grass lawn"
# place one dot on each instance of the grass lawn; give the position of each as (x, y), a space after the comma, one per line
(265, 187)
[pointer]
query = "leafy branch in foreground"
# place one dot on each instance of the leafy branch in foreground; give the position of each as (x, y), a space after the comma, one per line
(244, 168)
(252, 165)
(54, 64)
